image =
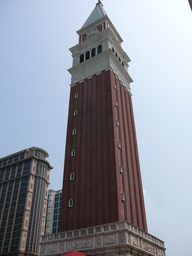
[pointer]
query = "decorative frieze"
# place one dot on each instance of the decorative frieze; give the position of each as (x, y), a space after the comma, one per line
(79, 244)
(134, 241)
(121, 238)
(148, 248)
(109, 240)
(52, 248)
(98, 242)
(62, 247)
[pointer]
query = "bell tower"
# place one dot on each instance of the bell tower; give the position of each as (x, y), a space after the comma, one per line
(102, 207)
(102, 180)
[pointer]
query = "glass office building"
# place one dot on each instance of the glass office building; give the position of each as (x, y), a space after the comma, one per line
(53, 212)
(24, 180)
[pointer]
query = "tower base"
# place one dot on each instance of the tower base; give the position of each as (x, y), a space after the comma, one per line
(114, 239)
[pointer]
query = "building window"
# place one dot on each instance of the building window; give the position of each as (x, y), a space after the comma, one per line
(99, 49)
(16, 158)
(75, 113)
(81, 58)
(87, 55)
(119, 144)
(76, 95)
(5, 161)
(73, 152)
(120, 168)
(70, 203)
(93, 52)
(22, 155)
(122, 197)
(116, 104)
(10, 160)
(115, 87)
(72, 176)
(117, 123)
(74, 132)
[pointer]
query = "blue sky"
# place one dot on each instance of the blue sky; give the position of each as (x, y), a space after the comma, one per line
(34, 91)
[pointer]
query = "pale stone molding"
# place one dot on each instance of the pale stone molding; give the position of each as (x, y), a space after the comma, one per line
(104, 61)
(115, 239)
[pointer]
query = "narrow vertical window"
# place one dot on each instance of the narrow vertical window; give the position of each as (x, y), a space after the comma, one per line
(93, 52)
(115, 87)
(73, 152)
(76, 95)
(99, 49)
(72, 176)
(70, 203)
(87, 55)
(81, 58)
(75, 112)
(117, 123)
(120, 168)
(116, 104)
(119, 144)
(74, 132)
(122, 197)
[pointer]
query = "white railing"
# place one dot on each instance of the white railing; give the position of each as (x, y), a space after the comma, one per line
(102, 229)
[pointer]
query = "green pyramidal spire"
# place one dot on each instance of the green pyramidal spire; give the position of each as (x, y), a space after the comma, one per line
(96, 14)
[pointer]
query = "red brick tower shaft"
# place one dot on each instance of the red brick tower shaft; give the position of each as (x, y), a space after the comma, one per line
(102, 180)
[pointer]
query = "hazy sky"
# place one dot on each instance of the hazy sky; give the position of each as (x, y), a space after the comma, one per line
(35, 36)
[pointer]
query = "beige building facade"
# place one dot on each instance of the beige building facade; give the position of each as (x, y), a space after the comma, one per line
(24, 180)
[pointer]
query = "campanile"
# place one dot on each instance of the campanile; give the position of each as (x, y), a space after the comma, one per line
(102, 207)
(102, 180)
